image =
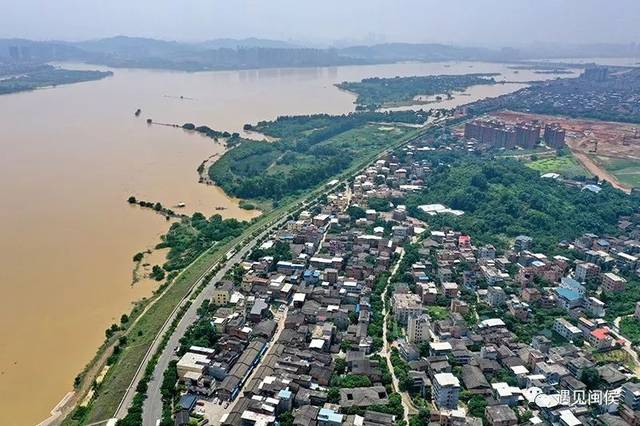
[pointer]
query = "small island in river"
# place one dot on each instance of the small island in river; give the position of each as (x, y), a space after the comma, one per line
(24, 77)
(374, 93)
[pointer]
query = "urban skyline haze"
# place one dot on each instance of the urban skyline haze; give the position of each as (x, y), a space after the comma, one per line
(493, 23)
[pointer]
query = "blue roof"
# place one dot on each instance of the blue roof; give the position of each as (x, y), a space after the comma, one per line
(285, 394)
(568, 294)
(571, 283)
(329, 415)
(188, 401)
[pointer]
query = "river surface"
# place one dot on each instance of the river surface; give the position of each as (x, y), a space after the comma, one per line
(72, 155)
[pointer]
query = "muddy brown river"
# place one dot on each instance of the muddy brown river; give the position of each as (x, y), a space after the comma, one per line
(72, 155)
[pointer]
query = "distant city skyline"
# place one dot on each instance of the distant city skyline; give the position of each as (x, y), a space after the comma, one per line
(491, 23)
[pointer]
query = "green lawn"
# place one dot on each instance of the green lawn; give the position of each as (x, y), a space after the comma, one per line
(626, 170)
(616, 356)
(565, 165)
(354, 143)
(438, 313)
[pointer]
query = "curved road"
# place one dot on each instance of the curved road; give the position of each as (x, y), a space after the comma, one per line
(628, 346)
(407, 403)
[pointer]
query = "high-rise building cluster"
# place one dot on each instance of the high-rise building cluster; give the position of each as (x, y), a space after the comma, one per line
(523, 134)
(554, 135)
(595, 73)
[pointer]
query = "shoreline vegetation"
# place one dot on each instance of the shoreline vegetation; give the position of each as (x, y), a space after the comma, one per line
(375, 93)
(230, 139)
(109, 392)
(138, 270)
(196, 244)
(157, 207)
(306, 151)
(297, 137)
(344, 145)
(17, 78)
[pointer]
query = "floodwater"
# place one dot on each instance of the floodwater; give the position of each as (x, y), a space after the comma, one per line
(621, 62)
(72, 155)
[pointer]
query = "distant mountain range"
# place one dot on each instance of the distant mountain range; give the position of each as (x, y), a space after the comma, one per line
(122, 51)
(138, 52)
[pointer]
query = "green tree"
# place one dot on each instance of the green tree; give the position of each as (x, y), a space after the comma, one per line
(157, 273)
(237, 273)
(591, 378)
(109, 332)
(356, 212)
(477, 405)
(422, 418)
(200, 333)
(379, 204)
(352, 381)
(286, 418)
(333, 395)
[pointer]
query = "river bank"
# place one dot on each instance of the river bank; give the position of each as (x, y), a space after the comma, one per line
(84, 161)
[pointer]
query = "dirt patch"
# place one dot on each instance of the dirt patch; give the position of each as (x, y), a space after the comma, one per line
(606, 138)
(590, 138)
(593, 167)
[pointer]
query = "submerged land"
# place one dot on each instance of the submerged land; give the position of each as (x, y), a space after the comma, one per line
(397, 253)
(24, 77)
(375, 93)
(335, 185)
(157, 164)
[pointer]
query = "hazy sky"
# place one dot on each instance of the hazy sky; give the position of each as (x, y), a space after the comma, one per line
(477, 22)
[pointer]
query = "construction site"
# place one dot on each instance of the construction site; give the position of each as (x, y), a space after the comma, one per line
(608, 150)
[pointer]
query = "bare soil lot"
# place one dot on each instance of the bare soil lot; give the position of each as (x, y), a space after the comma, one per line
(600, 146)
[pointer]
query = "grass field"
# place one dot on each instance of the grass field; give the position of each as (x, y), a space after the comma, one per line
(565, 165)
(627, 171)
(438, 312)
(354, 143)
(617, 355)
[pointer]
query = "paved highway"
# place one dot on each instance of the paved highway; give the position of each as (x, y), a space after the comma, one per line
(153, 404)
(152, 408)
